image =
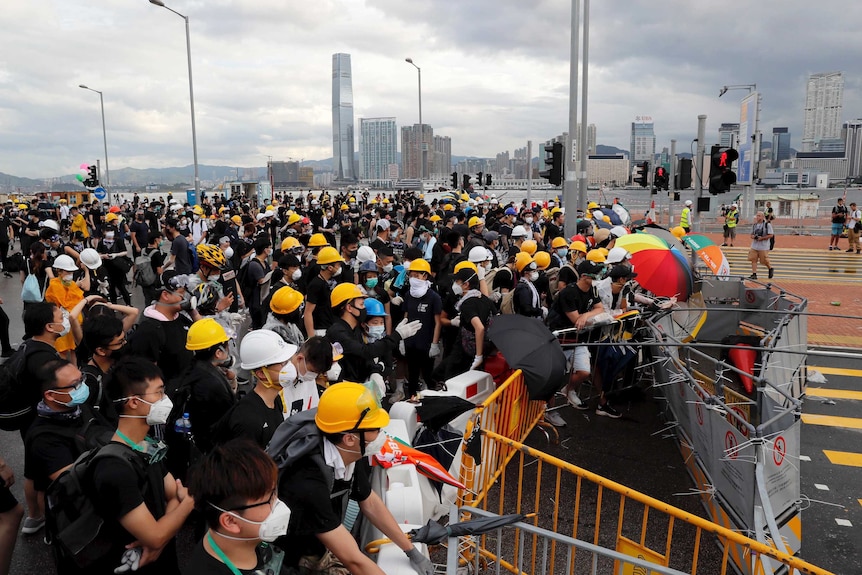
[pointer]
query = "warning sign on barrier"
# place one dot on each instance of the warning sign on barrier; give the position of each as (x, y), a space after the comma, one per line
(632, 549)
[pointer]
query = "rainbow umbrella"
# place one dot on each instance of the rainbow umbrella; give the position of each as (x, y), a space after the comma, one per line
(639, 241)
(709, 252)
(664, 272)
(663, 233)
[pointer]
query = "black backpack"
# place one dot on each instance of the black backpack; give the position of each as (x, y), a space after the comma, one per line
(14, 263)
(16, 399)
(75, 529)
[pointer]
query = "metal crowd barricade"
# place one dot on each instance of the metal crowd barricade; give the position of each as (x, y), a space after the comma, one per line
(601, 513)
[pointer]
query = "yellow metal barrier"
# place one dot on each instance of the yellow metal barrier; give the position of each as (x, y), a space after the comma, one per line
(509, 412)
(602, 512)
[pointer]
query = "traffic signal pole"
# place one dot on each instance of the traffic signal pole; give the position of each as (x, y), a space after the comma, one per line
(672, 182)
(698, 166)
(582, 136)
(570, 185)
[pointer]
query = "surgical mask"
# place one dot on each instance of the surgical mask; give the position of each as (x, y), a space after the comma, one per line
(528, 220)
(67, 279)
(395, 234)
(418, 287)
(376, 332)
(388, 268)
(337, 272)
(373, 448)
(296, 275)
(563, 252)
(196, 218)
(287, 375)
(308, 375)
(67, 326)
(228, 253)
(534, 276)
(77, 396)
(271, 528)
(457, 289)
(108, 243)
(371, 283)
(159, 410)
(488, 265)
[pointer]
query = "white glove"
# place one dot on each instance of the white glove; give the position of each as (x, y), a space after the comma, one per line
(421, 564)
(434, 351)
(130, 561)
(408, 328)
(496, 296)
(456, 321)
(477, 361)
(481, 272)
(544, 312)
(401, 349)
(397, 300)
(379, 385)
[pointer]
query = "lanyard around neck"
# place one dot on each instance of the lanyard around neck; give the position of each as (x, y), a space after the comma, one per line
(220, 554)
(129, 442)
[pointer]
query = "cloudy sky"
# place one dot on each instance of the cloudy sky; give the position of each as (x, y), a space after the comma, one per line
(494, 73)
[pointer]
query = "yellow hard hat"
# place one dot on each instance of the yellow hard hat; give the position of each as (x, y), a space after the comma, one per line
(542, 259)
(475, 221)
(268, 208)
(222, 209)
(205, 333)
(434, 218)
(678, 231)
(285, 300)
(385, 200)
(420, 265)
(529, 246)
(111, 217)
(290, 242)
(344, 292)
(578, 246)
(198, 210)
(606, 219)
(465, 197)
(352, 199)
(237, 220)
(556, 211)
(344, 207)
(592, 206)
(23, 206)
(349, 406)
(558, 242)
(317, 241)
(596, 256)
(448, 207)
(292, 219)
(522, 260)
(328, 255)
(604, 251)
(465, 264)
(373, 201)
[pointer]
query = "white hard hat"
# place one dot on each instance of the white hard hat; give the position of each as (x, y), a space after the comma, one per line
(617, 255)
(91, 258)
(519, 232)
(478, 254)
(262, 347)
(51, 224)
(65, 263)
(619, 231)
(688, 202)
(365, 254)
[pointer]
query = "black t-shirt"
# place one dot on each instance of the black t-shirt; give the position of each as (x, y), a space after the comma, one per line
(314, 509)
(50, 446)
(503, 279)
(480, 307)
(839, 214)
(572, 298)
(425, 309)
(38, 354)
(251, 419)
(318, 293)
(202, 562)
(163, 343)
(182, 255)
(567, 275)
(142, 233)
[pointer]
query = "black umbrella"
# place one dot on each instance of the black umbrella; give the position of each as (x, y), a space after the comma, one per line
(528, 345)
(432, 533)
(435, 412)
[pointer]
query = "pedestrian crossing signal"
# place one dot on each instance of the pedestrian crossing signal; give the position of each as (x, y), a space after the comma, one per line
(721, 174)
(643, 174)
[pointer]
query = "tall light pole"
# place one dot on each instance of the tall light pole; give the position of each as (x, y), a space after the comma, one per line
(421, 127)
(749, 189)
(104, 133)
(191, 93)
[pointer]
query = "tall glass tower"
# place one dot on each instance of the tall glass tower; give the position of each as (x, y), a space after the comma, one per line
(342, 118)
(642, 143)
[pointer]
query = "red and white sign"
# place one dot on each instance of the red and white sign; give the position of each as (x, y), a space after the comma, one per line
(730, 445)
(779, 450)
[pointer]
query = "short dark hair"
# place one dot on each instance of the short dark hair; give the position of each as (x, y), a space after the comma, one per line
(413, 253)
(155, 235)
(348, 238)
(171, 223)
(261, 244)
(46, 374)
(230, 476)
(36, 317)
(99, 329)
(317, 352)
(452, 238)
(130, 376)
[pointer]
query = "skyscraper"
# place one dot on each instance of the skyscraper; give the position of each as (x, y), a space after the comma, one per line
(780, 146)
(852, 132)
(411, 157)
(728, 135)
(378, 147)
(591, 138)
(824, 98)
(642, 143)
(342, 118)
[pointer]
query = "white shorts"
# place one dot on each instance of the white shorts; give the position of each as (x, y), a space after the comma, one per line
(579, 358)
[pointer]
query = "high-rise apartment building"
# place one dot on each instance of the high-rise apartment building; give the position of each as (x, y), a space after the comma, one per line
(414, 150)
(728, 135)
(378, 147)
(780, 146)
(342, 118)
(441, 163)
(642, 143)
(852, 133)
(824, 98)
(591, 138)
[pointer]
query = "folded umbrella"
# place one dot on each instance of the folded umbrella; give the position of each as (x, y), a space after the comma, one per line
(528, 345)
(433, 533)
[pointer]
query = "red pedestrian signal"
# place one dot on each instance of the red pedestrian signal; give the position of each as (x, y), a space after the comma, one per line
(721, 175)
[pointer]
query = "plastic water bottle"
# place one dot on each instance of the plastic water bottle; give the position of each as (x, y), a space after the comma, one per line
(183, 425)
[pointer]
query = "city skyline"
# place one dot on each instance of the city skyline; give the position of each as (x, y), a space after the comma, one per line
(264, 92)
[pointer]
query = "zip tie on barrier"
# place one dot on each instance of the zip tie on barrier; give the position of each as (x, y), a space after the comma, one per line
(805, 499)
(710, 490)
(670, 426)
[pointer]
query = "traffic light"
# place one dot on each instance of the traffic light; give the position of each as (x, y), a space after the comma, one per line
(721, 175)
(454, 180)
(465, 182)
(661, 178)
(487, 179)
(92, 180)
(554, 161)
(683, 176)
(479, 178)
(643, 174)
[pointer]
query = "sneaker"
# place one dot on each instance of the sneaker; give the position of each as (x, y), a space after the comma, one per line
(608, 411)
(724, 245)
(574, 400)
(850, 251)
(554, 418)
(752, 277)
(771, 272)
(32, 525)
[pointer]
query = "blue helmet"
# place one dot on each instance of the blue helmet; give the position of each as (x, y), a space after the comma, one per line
(374, 308)
(368, 267)
(510, 211)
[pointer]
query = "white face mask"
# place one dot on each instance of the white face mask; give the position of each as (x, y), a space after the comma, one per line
(271, 528)
(376, 332)
(296, 274)
(159, 411)
(388, 268)
(228, 253)
(528, 220)
(67, 326)
(308, 375)
(337, 272)
(418, 287)
(534, 276)
(373, 448)
(457, 289)
(287, 375)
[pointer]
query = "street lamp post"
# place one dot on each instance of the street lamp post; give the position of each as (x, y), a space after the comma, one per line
(191, 93)
(104, 132)
(750, 189)
(421, 127)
